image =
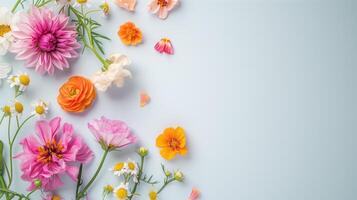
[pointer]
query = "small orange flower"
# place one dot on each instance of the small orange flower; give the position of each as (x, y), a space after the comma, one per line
(76, 95)
(130, 34)
(172, 141)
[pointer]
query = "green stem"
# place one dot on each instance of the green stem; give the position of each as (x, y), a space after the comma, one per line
(79, 180)
(167, 182)
(7, 192)
(141, 167)
(11, 143)
(83, 192)
(44, 3)
(15, 6)
(29, 194)
(2, 118)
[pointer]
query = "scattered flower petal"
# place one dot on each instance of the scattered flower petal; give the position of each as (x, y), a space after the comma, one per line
(164, 46)
(144, 99)
(194, 194)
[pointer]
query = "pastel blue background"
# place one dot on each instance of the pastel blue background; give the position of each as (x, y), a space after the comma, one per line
(264, 88)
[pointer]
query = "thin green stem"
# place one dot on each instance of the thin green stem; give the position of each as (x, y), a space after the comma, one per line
(15, 6)
(83, 192)
(17, 121)
(29, 194)
(167, 182)
(44, 3)
(2, 118)
(141, 167)
(79, 180)
(11, 144)
(7, 192)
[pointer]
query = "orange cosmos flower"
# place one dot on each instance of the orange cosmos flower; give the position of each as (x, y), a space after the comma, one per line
(172, 142)
(76, 95)
(130, 34)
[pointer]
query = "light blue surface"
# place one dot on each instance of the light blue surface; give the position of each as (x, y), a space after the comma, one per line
(264, 88)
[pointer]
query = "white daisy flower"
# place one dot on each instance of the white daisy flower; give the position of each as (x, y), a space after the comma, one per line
(80, 3)
(23, 81)
(7, 25)
(132, 169)
(7, 110)
(12, 80)
(121, 192)
(5, 69)
(119, 168)
(40, 108)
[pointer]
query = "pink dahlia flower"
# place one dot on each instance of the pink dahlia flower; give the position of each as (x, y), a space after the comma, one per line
(45, 40)
(51, 154)
(111, 134)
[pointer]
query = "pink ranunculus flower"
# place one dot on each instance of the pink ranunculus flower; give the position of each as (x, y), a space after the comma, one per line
(52, 154)
(45, 40)
(162, 7)
(111, 134)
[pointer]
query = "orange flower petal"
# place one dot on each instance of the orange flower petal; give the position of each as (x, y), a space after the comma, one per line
(167, 153)
(144, 99)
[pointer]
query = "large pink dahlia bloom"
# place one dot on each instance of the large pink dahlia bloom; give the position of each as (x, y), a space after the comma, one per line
(51, 154)
(45, 40)
(111, 134)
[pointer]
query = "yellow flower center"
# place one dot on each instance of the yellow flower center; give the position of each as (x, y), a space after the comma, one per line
(122, 193)
(24, 79)
(40, 110)
(131, 166)
(162, 3)
(82, 1)
(7, 110)
(56, 197)
(174, 143)
(73, 92)
(119, 166)
(153, 195)
(19, 107)
(4, 29)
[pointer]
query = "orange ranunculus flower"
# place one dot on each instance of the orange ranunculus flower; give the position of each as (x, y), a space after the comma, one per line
(130, 34)
(172, 141)
(76, 95)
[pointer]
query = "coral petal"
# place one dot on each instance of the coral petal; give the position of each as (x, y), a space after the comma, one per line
(144, 99)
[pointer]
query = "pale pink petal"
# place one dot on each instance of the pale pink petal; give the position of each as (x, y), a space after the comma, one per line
(72, 172)
(194, 194)
(163, 12)
(144, 99)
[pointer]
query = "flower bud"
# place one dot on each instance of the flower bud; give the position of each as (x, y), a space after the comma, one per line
(168, 173)
(38, 183)
(143, 151)
(178, 175)
(108, 189)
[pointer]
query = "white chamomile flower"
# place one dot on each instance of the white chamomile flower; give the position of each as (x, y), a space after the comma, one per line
(79, 3)
(18, 107)
(119, 168)
(23, 81)
(7, 25)
(12, 80)
(132, 169)
(40, 108)
(121, 192)
(5, 69)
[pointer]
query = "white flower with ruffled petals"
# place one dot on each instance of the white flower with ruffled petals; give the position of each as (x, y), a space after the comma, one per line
(7, 25)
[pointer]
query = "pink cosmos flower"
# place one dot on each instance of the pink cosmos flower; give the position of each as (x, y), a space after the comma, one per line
(164, 46)
(194, 194)
(162, 7)
(111, 134)
(45, 40)
(51, 154)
